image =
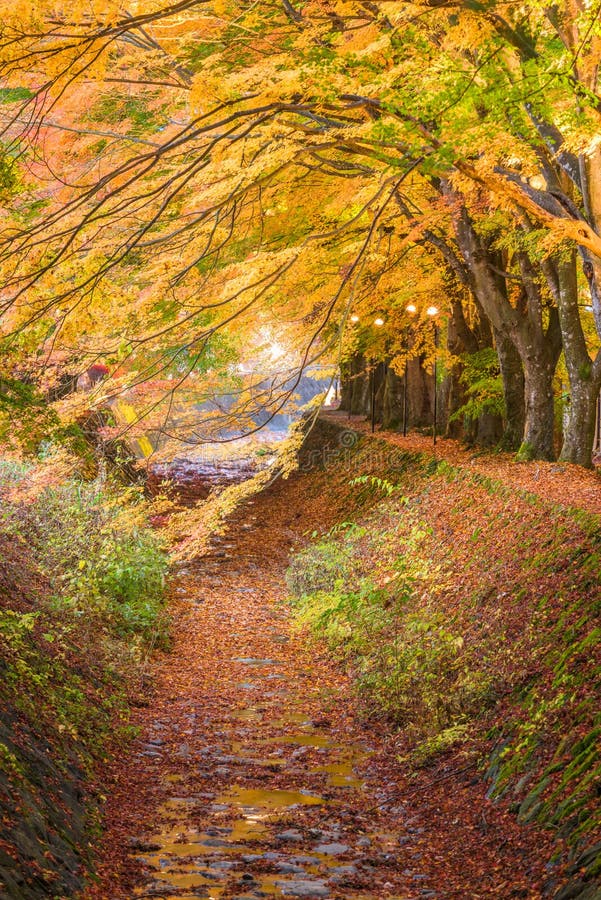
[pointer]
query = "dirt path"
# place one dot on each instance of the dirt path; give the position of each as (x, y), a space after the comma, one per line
(255, 774)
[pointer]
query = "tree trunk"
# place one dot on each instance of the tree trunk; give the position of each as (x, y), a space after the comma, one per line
(580, 432)
(584, 374)
(489, 431)
(392, 404)
(460, 340)
(345, 387)
(538, 427)
(421, 395)
(512, 373)
(455, 399)
(522, 322)
(377, 390)
(359, 386)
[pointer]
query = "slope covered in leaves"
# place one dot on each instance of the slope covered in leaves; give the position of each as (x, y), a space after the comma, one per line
(467, 609)
(79, 607)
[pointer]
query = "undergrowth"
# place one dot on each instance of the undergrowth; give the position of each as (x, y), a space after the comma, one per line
(361, 588)
(81, 607)
(101, 561)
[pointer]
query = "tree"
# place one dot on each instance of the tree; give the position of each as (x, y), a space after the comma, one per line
(249, 107)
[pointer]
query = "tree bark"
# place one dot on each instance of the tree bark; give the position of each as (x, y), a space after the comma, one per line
(512, 374)
(359, 390)
(580, 432)
(345, 387)
(538, 348)
(538, 426)
(460, 340)
(392, 403)
(584, 375)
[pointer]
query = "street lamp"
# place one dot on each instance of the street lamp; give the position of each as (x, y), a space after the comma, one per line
(354, 320)
(378, 322)
(432, 311)
(411, 308)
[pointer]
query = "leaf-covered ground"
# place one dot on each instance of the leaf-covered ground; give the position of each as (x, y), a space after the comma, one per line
(259, 773)
(557, 482)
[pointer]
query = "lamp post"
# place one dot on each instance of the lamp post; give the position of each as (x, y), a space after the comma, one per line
(354, 320)
(411, 309)
(432, 311)
(378, 322)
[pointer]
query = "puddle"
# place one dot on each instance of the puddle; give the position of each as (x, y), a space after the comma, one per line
(247, 829)
(255, 804)
(266, 762)
(261, 804)
(341, 774)
(291, 718)
(250, 714)
(306, 739)
(174, 778)
(222, 860)
(255, 661)
(230, 846)
(242, 756)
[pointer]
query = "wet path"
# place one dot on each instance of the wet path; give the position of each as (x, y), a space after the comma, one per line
(263, 775)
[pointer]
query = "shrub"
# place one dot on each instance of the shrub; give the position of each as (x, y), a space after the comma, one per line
(484, 386)
(90, 542)
(360, 594)
(318, 568)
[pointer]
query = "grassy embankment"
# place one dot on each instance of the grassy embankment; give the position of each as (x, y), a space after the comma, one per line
(81, 605)
(469, 612)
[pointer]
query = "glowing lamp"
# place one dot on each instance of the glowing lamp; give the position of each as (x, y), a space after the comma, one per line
(379, 321)
(354, 318)
(411, 308)
(432, 311)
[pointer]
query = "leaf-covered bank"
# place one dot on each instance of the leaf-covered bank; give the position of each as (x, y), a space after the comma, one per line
(469, 614)
(81, 604)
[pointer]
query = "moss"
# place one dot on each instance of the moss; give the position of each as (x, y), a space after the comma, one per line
(9, 762)
(526, 452)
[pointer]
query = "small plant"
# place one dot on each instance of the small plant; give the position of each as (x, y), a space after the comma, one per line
(318, 568)
(426, 752)
(91, 544)
(375, 482)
